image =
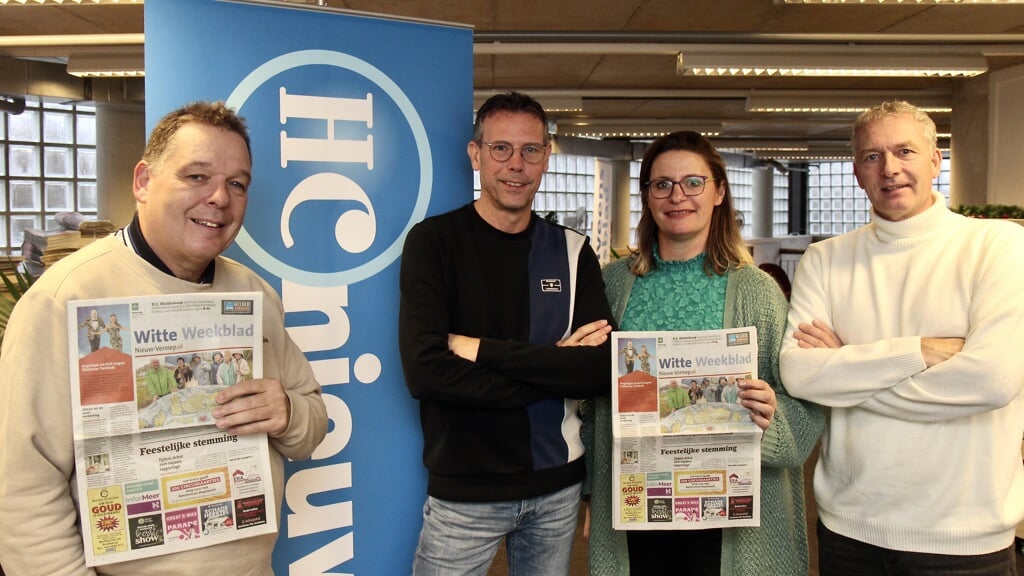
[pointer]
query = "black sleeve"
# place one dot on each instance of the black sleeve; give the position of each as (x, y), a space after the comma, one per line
(432, 371)
(571, 372)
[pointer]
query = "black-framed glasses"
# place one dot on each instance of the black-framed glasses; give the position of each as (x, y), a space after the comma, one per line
(692, 185)
(503, 151)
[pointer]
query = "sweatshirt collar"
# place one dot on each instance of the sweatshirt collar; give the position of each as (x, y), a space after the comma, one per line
(136, 241)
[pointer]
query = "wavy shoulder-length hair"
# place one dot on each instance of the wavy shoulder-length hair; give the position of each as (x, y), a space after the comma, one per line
(725, 247)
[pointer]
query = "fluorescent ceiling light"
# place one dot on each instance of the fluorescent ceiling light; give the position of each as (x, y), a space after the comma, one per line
(760, 144)
(832, 109)
(843, 103)
(106, 66)
(599, 134)
(549, 103)
(633, 128)
(638, 131)
(811, 154)
(561, 104)
(68, 2)
(741, 148)
(828, 61)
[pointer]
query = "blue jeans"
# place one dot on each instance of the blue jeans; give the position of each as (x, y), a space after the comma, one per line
(461, 538)
(842, 556)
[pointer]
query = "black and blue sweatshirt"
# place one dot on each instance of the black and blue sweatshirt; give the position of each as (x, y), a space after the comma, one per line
(504, 427)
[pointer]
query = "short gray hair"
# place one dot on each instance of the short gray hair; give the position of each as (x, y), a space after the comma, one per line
(894, 108)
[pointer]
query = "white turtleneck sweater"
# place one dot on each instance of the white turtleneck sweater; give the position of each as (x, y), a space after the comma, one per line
(916, 459)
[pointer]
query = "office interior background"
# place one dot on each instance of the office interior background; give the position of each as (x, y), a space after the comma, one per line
(774, 83)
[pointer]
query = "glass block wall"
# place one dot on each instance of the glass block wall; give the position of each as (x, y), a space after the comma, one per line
(47, 165)
(567, 192)
(835, 204)
(741, 183)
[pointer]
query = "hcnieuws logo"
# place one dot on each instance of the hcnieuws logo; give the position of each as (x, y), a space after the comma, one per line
(327, 141)
(326, 234)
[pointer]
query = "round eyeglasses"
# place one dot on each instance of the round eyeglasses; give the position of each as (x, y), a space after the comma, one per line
(692, 185)
(503, 151)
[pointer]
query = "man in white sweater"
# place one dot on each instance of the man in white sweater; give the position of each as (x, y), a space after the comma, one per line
(191, 193)
(910, 330)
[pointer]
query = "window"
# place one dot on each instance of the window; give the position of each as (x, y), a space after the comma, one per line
(780, 204)
(741, 184)
(47, 165)
(836, 204)
(567, 192)
(636, 206)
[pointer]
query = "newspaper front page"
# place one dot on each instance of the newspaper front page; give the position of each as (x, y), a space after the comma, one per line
(688, 454)
(155, 476)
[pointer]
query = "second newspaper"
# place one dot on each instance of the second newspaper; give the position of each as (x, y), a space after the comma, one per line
(688, 456)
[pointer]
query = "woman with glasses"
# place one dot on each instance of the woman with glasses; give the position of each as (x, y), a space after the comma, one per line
(692, 271)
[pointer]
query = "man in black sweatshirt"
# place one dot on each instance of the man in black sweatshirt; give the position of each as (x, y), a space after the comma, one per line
(503, 327)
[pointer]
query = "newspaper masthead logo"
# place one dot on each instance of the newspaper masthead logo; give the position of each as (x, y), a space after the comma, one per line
(236, 307)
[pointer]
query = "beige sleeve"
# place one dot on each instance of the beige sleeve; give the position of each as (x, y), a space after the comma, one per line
(38, 515)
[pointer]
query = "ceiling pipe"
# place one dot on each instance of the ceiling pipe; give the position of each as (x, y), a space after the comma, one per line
(598, 42)
(604, 38)
(949, 47)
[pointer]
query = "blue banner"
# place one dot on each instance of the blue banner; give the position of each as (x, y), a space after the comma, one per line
(359, 127)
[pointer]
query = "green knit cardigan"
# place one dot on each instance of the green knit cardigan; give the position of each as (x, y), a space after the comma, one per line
(779, 546)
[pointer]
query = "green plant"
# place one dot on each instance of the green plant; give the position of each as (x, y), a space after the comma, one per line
(17, 284)
(990, 211)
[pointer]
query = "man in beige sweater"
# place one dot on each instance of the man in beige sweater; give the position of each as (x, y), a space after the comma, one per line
(191, 194)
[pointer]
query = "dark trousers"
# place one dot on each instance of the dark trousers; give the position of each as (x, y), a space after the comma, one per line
(842, 556)
(675, 552)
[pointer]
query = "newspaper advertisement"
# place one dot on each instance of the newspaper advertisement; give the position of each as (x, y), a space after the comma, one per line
(155, 476)
(688, 456)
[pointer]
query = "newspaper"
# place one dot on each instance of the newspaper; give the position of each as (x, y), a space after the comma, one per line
(689, 456)
(155, 476)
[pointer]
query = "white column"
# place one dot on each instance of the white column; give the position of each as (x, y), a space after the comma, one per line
(763, 201)
(120, 139)
(969, 142)
(620, 207)
(1006, 146)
